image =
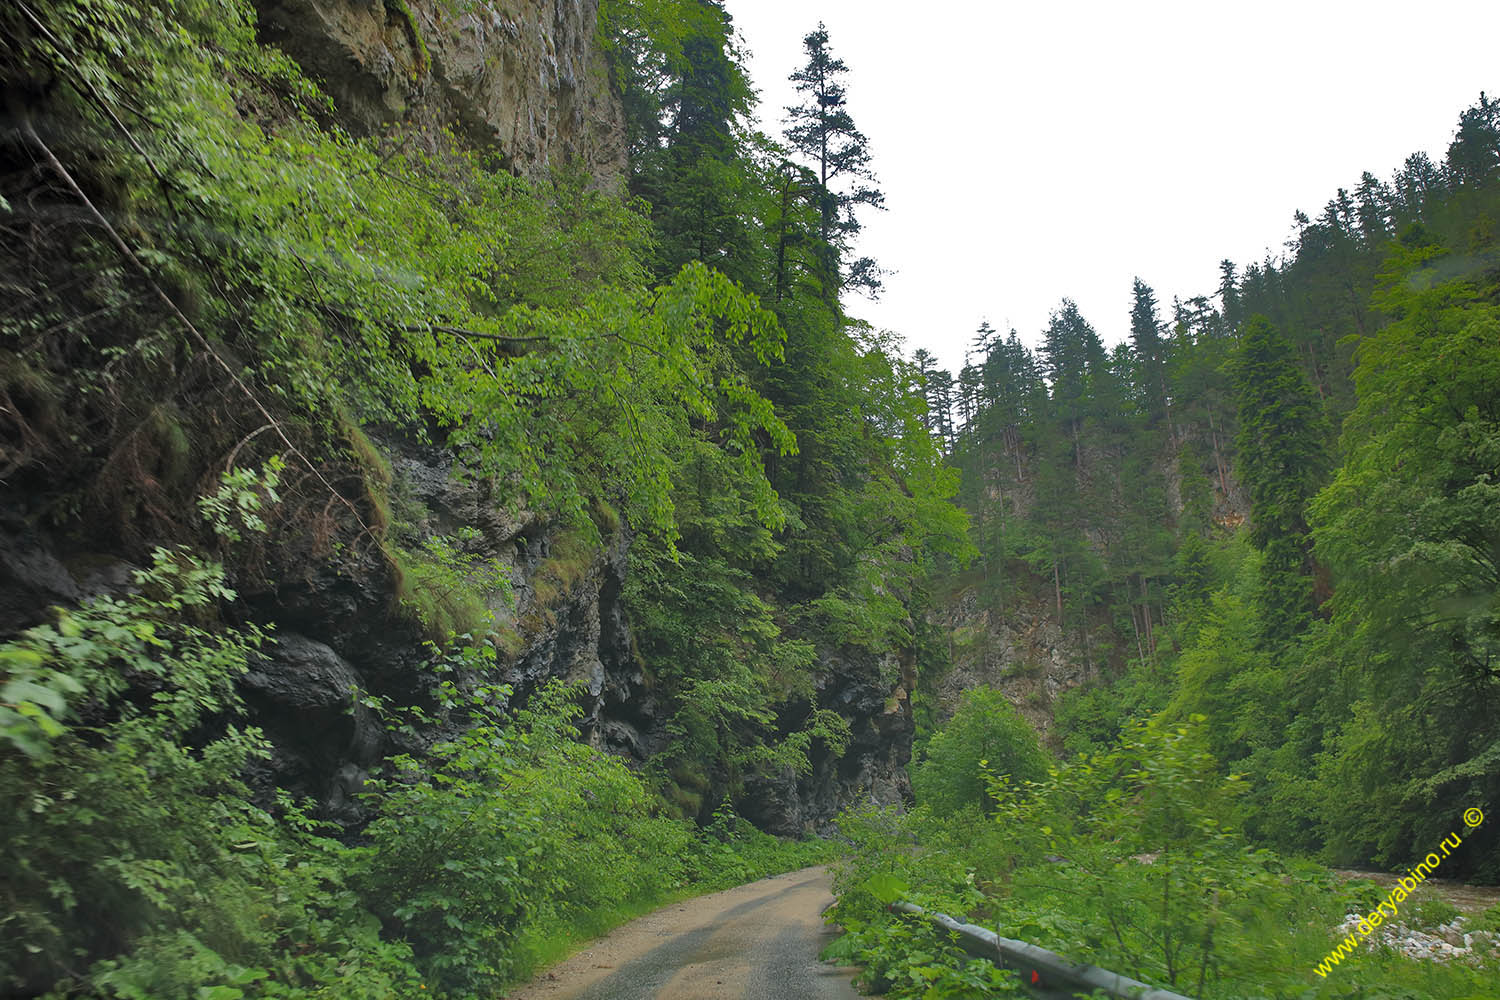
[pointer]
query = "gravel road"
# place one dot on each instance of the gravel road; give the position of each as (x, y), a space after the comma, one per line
(755, 942)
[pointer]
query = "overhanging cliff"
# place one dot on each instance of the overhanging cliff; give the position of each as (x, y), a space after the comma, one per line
(524, 78)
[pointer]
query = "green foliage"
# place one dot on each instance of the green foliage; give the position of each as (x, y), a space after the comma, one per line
(822, 131)
(445, 587)
(140, 868)
(1282, 463)
(1092, 717)
(416, 288)
(237, 504)
(1488, 921)
(120, 822)
(679, 369)
(736, 621)
(1121, 859)
(1433, 913)
(93, 654)
(1346, 666)
(484, 838)
(1405, 526)
(730, 851)
(985, 735)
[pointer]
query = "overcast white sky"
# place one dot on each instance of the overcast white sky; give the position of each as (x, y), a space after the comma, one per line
(1035, 150)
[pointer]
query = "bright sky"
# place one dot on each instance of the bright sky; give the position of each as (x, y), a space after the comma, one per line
(1041, 149)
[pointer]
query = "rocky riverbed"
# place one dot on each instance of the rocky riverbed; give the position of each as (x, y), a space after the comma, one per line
(1453, 939)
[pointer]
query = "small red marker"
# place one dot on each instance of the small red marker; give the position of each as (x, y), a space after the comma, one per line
(1036, 977)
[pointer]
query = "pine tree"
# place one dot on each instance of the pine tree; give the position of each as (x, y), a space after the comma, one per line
(1372, 200)
(1145, 338)
(1418, 183)
(940, 405)
(685, 105)
(823, 131)
(1474, 154)
(1229, 292)
(923, 360)
(1072, 352)
(1282, 462)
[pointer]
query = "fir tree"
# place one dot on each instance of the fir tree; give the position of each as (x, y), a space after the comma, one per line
(1282, 462)
(1145, 338)
(823, 131)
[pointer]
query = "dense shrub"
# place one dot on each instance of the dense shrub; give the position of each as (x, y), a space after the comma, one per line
(986, 728)
(1123, 859)
(138, 866)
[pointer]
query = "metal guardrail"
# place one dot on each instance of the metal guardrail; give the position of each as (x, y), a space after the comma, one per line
(1048, 974)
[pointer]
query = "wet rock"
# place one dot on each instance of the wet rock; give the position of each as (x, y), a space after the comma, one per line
(306, 699)
(869, 692)
(340, 629)
(31, 577)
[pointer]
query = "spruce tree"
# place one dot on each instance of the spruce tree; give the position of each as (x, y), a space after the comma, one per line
(1474, 154)
(823, 131)
(1145, 337)
(1282, 462)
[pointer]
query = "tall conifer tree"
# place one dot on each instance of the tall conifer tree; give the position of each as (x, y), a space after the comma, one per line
(1282, 462)
(823, 131)
(1145, 337)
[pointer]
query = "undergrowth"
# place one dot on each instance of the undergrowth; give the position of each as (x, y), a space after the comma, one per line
(140, 865)
(1122, 859)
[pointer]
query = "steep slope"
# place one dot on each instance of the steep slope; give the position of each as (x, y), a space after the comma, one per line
(390, 548)
(523, 78)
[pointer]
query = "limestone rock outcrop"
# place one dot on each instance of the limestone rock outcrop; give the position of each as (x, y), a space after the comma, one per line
(523, 78)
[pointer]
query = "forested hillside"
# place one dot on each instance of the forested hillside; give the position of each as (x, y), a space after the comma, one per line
(403, 405)
(1272, 507)
(448, 507)
(1243, 570)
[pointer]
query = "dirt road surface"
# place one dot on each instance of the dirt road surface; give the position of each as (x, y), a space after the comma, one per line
(756, 942)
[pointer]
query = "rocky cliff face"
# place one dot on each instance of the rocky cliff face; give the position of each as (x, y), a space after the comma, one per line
(870, 693)
(524, 78)
(1019, 650)
(337, 633)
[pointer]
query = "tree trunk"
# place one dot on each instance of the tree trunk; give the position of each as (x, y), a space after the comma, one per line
(1136, 628)
(1146, 610)
(786, 194)
(1213, 435)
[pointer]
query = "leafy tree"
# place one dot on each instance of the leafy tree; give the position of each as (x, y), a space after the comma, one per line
(985, 735)
(1407, 527)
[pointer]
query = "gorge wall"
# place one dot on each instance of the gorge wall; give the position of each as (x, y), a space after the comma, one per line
(1017, 644)
(523, 78)
(528, 81)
